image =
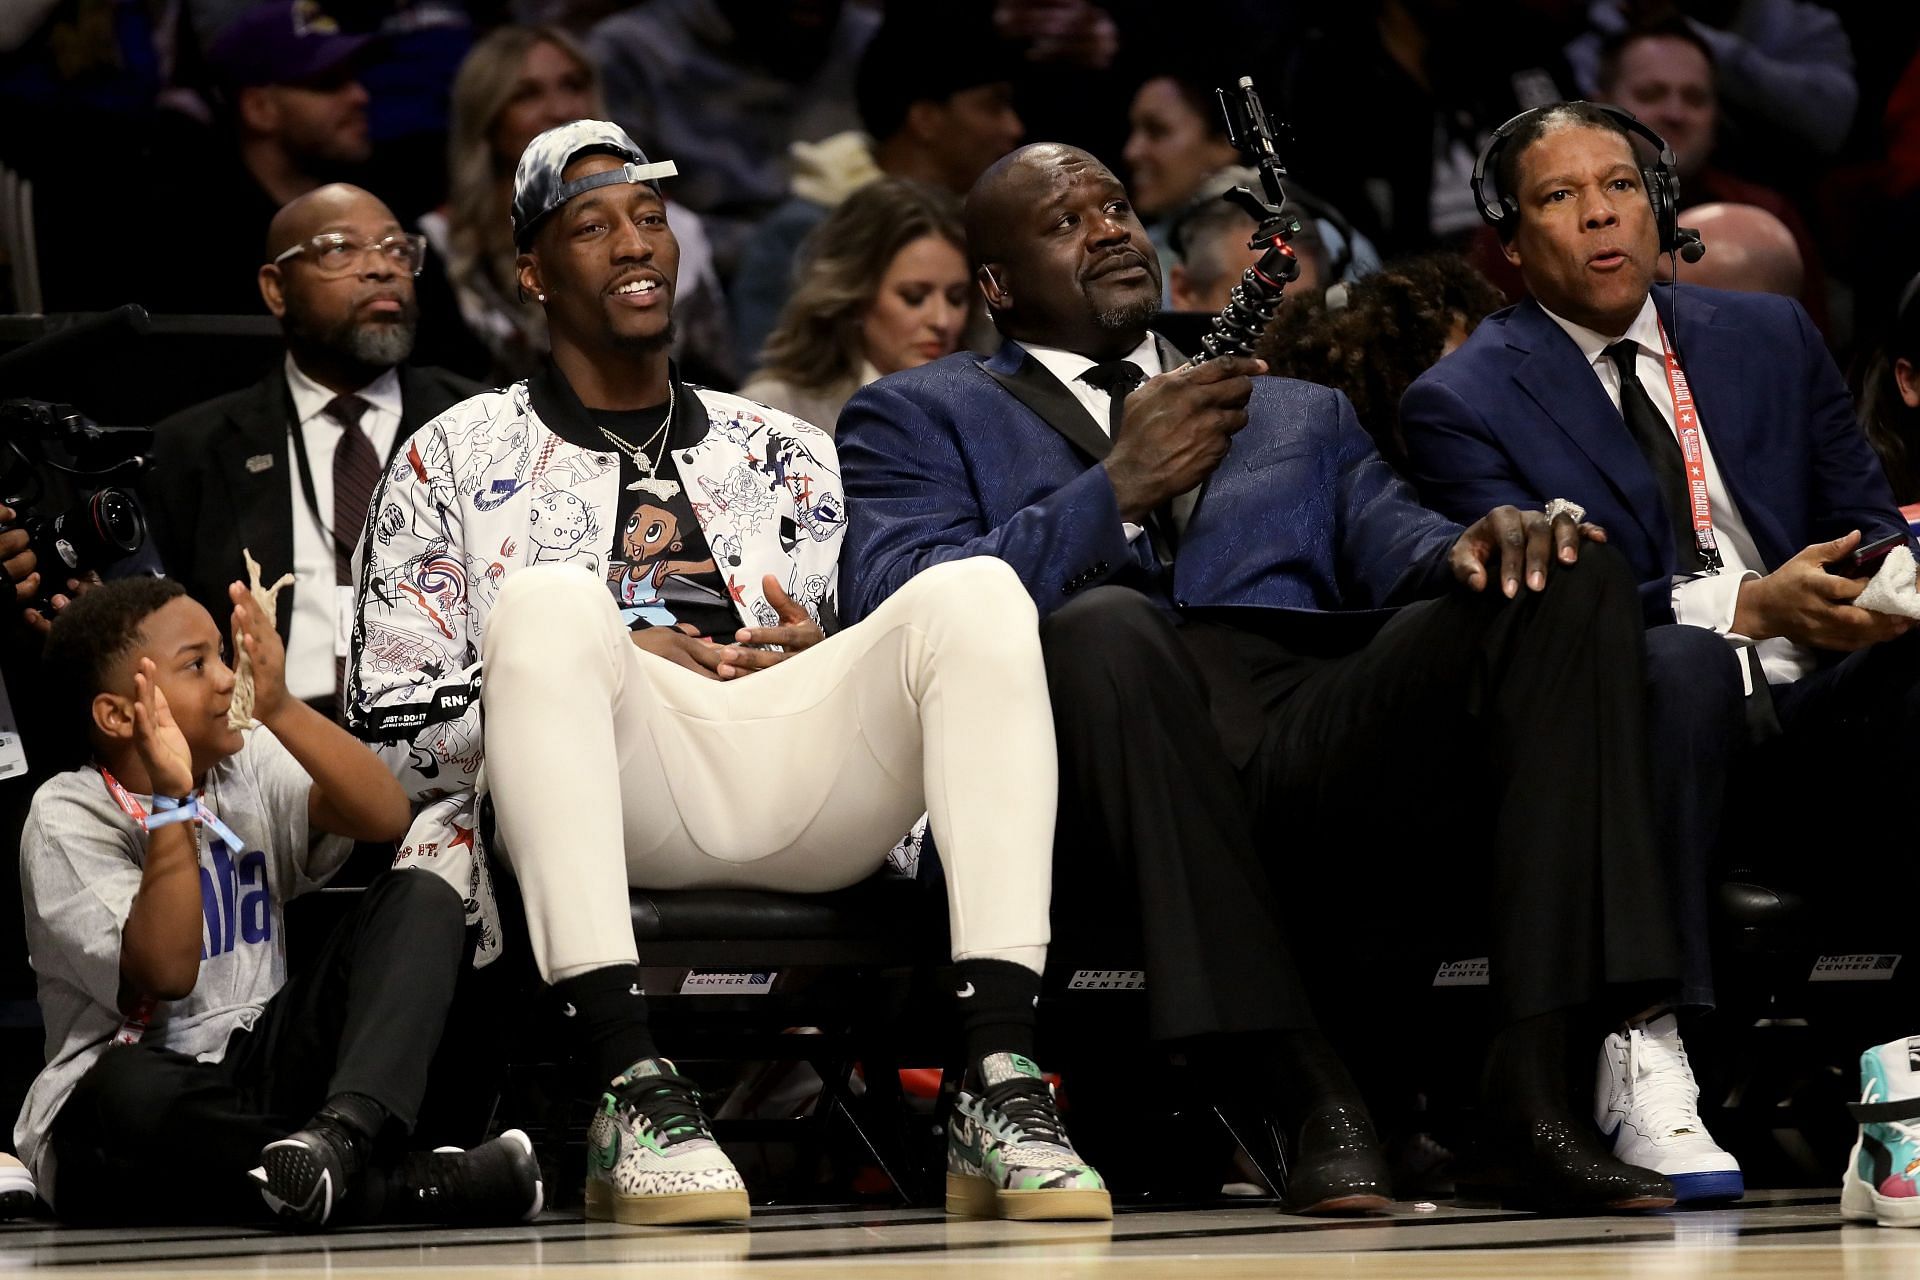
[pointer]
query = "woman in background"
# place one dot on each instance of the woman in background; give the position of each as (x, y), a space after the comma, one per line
(883, 286)
(1887, 392)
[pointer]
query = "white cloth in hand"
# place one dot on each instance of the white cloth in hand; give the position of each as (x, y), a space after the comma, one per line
(240, 709)
(1892, 589)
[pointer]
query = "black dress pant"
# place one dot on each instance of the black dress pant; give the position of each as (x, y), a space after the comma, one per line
(1521, 724)
(153, 1135)
(1697, 732)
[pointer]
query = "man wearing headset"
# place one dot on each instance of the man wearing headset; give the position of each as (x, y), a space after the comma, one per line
(1710, 434)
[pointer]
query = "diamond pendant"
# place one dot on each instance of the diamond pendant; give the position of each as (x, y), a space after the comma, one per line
(661, 489)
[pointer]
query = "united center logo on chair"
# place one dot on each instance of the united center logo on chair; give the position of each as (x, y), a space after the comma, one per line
(727, 984)
(1863, 967)
(1462, 973)
(1108, 980)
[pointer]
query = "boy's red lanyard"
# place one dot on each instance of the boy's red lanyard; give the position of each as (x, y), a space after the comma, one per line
(1686, 425)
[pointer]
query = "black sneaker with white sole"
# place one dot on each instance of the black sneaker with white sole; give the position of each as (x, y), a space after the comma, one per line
(496, 1182)
(306, 1176)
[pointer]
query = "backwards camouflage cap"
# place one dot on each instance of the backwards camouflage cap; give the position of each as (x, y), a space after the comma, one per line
(537, 185)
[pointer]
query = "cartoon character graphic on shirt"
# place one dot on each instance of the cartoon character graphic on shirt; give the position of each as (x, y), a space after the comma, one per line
(650, 551)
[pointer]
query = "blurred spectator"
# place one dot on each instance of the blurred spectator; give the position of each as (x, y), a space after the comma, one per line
(1210, 253)
(1372, 339)
(69, 66)
(1178, 139)
(285, 468)
(294, 116)
(936, 99)
(1748, 249)
(1391, 100)
(1887, 392)
(517, 82)
(725, 87)
(405, 72)
(883, 286)
(1207, 243)
(1785, 67)
(1665, 74)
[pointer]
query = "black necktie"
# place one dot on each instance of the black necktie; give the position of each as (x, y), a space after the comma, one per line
(1661, 449)
(356, 470)
(1119, 379)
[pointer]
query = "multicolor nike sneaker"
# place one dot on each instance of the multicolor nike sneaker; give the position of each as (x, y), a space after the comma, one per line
(1008, 1155)
(1879, 1185)
(651, 1157)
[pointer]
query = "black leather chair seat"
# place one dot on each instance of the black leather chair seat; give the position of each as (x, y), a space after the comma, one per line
(884, 920)
(1752, 902)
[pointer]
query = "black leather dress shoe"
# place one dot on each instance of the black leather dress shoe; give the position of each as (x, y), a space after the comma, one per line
(1337, 1166)
(1558, 1166)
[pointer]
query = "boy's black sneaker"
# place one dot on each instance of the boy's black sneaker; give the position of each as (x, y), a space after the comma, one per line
(498, 1181)
(306, 1176)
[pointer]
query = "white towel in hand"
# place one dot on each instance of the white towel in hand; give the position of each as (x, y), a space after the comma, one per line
(1892, 589)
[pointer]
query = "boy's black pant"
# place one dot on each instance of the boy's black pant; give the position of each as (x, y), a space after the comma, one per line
(149, 1134)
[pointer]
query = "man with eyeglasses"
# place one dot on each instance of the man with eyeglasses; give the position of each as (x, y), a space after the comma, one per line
(285, 468)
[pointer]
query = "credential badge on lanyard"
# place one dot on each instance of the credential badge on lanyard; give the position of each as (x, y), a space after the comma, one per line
(1686, 425)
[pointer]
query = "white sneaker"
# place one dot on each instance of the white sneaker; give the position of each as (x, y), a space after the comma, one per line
(16, 1188)
(651, 1157)
(1646, 1100)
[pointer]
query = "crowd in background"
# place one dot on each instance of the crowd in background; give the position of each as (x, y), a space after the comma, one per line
(823, 147)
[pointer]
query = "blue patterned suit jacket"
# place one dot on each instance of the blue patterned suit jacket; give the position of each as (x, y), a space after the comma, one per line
(966, 457)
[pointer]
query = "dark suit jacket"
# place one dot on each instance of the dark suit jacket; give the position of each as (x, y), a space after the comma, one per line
(1516, 415)
(965, 457)
(222, 480)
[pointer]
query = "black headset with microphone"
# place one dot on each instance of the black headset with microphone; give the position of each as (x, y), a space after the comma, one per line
(1501, 210)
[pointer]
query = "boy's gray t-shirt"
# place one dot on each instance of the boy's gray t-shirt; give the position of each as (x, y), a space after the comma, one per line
(80, 866)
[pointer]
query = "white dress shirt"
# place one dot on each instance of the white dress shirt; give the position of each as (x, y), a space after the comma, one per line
(316, 602)
(1069, 365)
(1697, 601)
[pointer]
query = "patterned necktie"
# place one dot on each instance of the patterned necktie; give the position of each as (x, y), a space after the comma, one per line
(356, 470)
(1119, 379)
(1661, 449)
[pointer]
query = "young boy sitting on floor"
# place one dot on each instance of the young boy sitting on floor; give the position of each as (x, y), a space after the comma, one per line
(186, 1076)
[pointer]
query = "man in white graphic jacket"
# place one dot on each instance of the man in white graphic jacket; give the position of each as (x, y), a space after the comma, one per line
(614, 590)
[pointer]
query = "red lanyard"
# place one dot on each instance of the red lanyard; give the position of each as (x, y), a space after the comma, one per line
(1686, 425)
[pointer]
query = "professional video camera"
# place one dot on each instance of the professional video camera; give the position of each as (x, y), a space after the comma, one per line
(58, 468)
(101, 524)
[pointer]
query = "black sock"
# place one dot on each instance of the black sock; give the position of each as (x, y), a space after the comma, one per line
(996, 1008)
(1527, 1074)
(608, 1017)
(358, 1112)
(1303, 1067)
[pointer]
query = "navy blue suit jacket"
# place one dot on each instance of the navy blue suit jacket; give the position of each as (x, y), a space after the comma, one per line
(1517, 415)
(970, 457)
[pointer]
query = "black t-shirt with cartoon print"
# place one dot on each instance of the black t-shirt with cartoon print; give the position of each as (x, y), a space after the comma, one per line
(661, 570)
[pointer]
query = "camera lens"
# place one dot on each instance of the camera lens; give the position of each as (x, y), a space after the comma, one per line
(117, 522)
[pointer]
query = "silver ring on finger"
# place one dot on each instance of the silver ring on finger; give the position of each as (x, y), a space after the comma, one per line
(1562, 506)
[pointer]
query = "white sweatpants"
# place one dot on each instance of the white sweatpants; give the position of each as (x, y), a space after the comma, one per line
(610, 766)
